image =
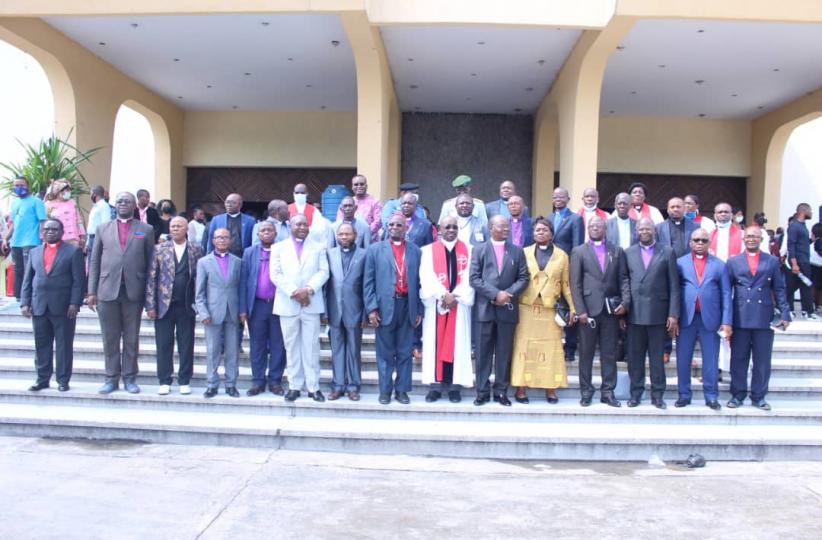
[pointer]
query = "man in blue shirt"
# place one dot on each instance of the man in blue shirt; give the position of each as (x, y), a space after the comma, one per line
(100, 214)
(27, 215)
(799, 258)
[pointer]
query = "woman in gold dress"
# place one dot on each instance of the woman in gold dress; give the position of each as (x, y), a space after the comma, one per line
(539, 360)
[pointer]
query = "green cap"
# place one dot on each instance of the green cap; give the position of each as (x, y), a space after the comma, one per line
(461, 180)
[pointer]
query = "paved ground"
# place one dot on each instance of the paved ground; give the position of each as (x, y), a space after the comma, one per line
(72, 489)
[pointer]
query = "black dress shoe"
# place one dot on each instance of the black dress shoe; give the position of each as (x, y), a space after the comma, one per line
(317, 396)
(633, 402)
(432, 396)
(503, 400)
(734, 403)
(682, 403)
(659, 403)
(277, 390)
(36, 387)
(210, 393)
(403, 398)
(291, 395)
(762, 405)
(553, 400)
(254, 390)
(454, 396)
(522, 399)
(232, 391)
(610, 401)
(385, 399)
(585, 401)
(481, 400)
(714, 405)
(64, 387)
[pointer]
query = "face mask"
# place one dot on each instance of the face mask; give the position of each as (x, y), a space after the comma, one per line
(67, 195)
(721, 225)
(690, 215)
(739, 219)
(300, 198)
(21, 191)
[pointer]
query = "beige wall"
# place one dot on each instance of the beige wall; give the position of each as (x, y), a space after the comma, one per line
(675, 146)
(270, 139)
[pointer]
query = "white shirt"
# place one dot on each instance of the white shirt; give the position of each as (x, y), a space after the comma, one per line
(179, 249)
(624, 228)
(100, 214)
(195, 232)
(722, 241)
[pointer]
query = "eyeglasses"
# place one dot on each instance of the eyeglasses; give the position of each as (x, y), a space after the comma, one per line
(700, 240)
(450, 227)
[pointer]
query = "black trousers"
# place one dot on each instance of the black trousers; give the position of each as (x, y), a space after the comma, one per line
(650, 340)
(180, 321)
(53, 337)
(571, 340)
(20, 258)
(793, 283)
(606, 334)
(495, 346)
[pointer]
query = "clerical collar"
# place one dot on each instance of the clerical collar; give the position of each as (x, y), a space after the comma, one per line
(677, 223)
(596, 242)
(752, 254)
(638, 208)
(218, 254)
(650, 246)
(266, 248)
(449, 245)
(396, 242)
(546, 246)
(53, 245)
(126, 220)
(298, 239)
(699, 256)
(233, 215)
(515, 219)
(497, 242)
(345, 250)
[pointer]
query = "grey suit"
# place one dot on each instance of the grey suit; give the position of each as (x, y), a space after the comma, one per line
(613, 237)
(496, 324)
(49, 294)
(344, 308)
(655, 296)
(117, 276)
(360, 226)
(590, 287)
(218, 299)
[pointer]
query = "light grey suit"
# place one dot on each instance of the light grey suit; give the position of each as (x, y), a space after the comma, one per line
(344, 308)
(300, 325)
(360, 226)
(218, 299)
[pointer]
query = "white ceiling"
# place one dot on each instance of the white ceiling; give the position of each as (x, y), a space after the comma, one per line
(452, 72)
(738, 62)
(219, 50)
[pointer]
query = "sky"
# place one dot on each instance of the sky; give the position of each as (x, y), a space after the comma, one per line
(27, 114)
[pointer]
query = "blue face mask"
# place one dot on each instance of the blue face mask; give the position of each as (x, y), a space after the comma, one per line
(21, 191)
(690, 215)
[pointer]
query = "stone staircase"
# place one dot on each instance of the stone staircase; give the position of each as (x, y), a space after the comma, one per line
(792, 430)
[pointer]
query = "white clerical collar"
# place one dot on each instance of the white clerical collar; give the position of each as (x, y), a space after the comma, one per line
(233, 215)
(544, 248)
(126, 220)
(52, 246)
(396, 242)
(515, 219)
(498, 242)
(218, 254)
(677, 223)
(754, 254)
(300, 240)
(266, 248)
(345, 250)
(596, 242)
(449, 245)
(699, 256)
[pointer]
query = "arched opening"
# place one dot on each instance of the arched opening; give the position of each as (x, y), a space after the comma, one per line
(801, 168)
(133, 153)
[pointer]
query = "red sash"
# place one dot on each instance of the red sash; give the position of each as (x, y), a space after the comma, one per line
(447, 322)
(645, 210)
(308, 213)
(734, 241)
(600, 212)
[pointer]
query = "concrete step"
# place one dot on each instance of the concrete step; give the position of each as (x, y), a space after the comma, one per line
(85, 369)
(458, 438)
(84, 393)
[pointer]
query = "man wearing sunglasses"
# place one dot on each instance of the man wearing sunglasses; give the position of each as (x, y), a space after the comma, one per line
(705, 309)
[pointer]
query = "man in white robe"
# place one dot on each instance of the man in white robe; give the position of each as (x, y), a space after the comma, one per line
(447, 297)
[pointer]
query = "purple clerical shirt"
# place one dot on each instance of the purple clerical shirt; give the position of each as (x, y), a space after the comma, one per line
(647, 253)
(599, 250)
(516, 232)
(222, 262)
(298, 247)
(265, 289)
(122, 232)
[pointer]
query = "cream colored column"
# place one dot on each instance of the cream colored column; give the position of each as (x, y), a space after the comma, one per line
(378, 115)
(575, 97)
(544, 160)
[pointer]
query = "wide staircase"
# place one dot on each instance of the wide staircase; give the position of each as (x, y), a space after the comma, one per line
(791, 431)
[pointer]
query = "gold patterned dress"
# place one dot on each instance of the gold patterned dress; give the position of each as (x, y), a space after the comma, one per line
(538, 359)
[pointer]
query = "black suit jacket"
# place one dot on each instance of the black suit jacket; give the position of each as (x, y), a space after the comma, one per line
(487, 281)
(663, 234)
(655, 292)
(612, 231)
(570, 233)
(54, 291)
(590, 287)
(152, 218)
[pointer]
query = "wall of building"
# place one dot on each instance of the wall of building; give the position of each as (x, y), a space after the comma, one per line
(675, 146)
(270, 139)
(487, 147)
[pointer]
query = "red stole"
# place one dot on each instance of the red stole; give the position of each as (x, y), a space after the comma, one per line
(645, 212)
(447, 322)
(599, 211)
(734, 241)
(308, 213)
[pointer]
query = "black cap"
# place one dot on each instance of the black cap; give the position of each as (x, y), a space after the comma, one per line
(408, 186)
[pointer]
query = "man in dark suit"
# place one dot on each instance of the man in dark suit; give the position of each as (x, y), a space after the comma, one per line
(522, 228)
(654, 312)
(120, 262)
(596, 280)
(146, 213)
(169, 299)
(52, 292)
(569, 232)
(498, 275)
(706, 308)
(620, 228)
(344, 309)
(267, 351)
(507, 189)
(758, 286)
(239, 225)
(417, 230)
(391, 296)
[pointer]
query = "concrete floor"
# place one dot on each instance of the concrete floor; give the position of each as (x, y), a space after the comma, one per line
(78, 489)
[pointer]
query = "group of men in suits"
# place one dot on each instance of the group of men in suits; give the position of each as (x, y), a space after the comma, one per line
(650, 282)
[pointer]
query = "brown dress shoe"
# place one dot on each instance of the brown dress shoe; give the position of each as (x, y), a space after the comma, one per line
(354, 395)
(335, 395)
(277, 390)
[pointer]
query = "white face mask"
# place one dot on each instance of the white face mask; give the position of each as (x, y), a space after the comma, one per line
(67, 195)
(739, 219)
(300, 198)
